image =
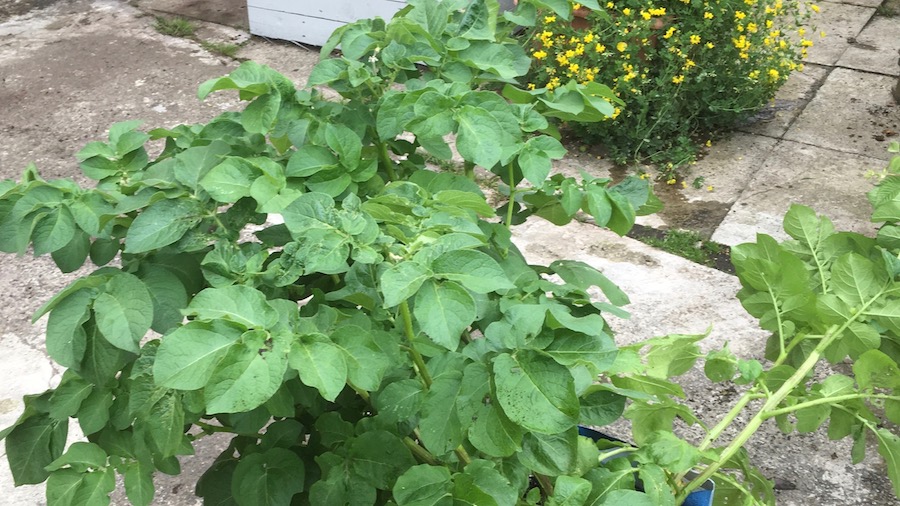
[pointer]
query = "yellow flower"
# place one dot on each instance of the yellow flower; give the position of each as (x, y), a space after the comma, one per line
(549, 19)
(710, 45)
(671, 181)
(562, 60)
(539, 55)
(773, 74)
(610, 5)
(678, 79)
(801, 32)
(621, 46)
(554, 83)
(579, 49)
(531, 86)
(739, 15)
(575, 7)
(708, 15)
(814, 7)
(754, 74)
(822, 34)
(670, 32)
(769, 23)
(684, 184)
(751, 27)
(709, 188)
(570, 54)
(573, 68)
(616, 113)
(709, 143)
(626, 11)
(646, 15)
(689, 63)
(599, 48)
(588, 38)
(695, 39)
(806, 43)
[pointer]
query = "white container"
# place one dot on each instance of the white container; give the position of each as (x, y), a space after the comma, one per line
(312, 21)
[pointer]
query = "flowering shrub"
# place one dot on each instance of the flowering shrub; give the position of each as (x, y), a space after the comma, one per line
(682, 68)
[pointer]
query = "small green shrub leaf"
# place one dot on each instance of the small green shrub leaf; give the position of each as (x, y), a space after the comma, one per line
(124, 311)
(271, 478)
(161, 224)
(379, 458)
(320, 365)
(402, 281)
(240, 304)
(444, 311)
(32, 445)
(536, 392)
(188, 356)
(472, 269)
(424, 485)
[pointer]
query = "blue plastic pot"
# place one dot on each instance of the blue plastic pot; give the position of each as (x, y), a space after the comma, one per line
(700, 497)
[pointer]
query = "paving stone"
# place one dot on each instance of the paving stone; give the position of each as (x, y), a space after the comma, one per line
(876, 49)
(775, 118)
(839, 22)
(831, 182)
(852, 112)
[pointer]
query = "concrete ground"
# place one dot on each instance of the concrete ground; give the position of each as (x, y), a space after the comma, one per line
(70, 68)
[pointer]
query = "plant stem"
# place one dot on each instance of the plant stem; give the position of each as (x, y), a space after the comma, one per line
(612, 453)
(828, 400)
(463, 455)
(469, 167)
(423, 454)
(545, 484)
(716, 431)
(753, 425)
(413, 352)
(386, 161)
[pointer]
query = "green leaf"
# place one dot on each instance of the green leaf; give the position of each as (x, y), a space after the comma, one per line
(669, 452)
(366, 363)
(161, 224)
(65, 336)
(165, 424)
(240, 304)
(570, 491)
(124, 311)
(482, 485)
(320, 365)
(889, 449)
(402, 281)
(344, 141)
(34, 444)
(494, 434)
(551, 455)
(854, 279)
(95, 488)
(62, 486)
(259, 116)
(465, 200)
(875, 369)
(53, 231)
(230, 180)
(310, 159)
(71, 257)
(80, 456)
(472, 269)
(440, 425)
(379, 458)
(584, 276)
(480, 137)
(601, 407)
(573, 348)
(629, 497)
(536, 392)
(168, 294)
(68, 397)
(188, 356)
(139, 483)
(424, 485)
(93, 414)
(444, 311)
(271, 478)
(248, 375)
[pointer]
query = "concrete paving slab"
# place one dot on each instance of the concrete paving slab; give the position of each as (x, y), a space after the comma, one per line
(839, 22)
(863, 3)
(852, 112)
(876, 49)
(824, 476)
(831, 182)
(775, 118)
